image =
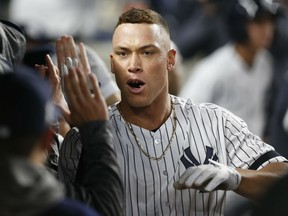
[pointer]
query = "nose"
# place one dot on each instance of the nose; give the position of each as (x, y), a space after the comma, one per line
(135, 64)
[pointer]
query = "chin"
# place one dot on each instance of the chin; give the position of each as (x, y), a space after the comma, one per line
(137, 102)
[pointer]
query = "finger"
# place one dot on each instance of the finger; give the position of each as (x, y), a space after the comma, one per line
(84, 92)
(41, 69)
(66, 46)
(214, 183)
(187, 179)
(54, 79)
(72, 47)
(94, 85)
(61, 62)
(60, 53)
(194, 175)
(84, 59)
(207, 176)
(53, 71)
(77, 89)
(221, 176)
(69, 79)
(69, 62)
(178, 186)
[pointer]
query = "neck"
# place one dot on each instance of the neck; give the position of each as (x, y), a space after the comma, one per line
(247, 53)
(148, 117)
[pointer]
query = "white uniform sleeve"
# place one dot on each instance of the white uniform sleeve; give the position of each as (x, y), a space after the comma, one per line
(245, 149)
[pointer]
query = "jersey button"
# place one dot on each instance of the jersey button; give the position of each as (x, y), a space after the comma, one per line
(165, 173)
(157, 140)
(167, 204)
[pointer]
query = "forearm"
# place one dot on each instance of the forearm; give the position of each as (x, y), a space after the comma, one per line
(254, 184)
(98, 170)
(98, 181)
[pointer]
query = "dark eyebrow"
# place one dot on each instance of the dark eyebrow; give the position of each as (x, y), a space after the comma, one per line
(147, 47)
(122, 48)
(141, 48)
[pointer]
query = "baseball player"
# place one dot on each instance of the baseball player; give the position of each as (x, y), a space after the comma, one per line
(241, 70)
(176, 157)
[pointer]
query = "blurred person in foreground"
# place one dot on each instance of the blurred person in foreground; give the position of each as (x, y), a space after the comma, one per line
(176, 157)
(27, 115)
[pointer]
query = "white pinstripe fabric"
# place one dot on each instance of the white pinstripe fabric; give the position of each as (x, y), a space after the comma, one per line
(203, 131)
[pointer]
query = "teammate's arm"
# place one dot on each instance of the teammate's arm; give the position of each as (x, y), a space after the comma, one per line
(254, 183)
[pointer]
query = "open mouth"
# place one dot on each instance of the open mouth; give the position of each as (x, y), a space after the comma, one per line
(135, 84)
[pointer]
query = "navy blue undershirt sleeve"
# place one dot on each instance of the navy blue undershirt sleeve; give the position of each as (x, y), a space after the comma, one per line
(265, 157)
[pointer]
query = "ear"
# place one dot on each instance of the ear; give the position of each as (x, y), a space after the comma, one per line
(112, 64)
(171, 61)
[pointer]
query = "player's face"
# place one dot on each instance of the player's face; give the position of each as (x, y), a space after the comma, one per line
(261, 33)
(140, 58)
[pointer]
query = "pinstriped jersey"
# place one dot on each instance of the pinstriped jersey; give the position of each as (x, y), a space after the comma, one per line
(203, 131)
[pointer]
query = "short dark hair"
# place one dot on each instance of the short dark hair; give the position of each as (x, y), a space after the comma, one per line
(139, 15)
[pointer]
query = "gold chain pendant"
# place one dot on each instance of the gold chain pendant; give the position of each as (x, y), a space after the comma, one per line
(137, 140)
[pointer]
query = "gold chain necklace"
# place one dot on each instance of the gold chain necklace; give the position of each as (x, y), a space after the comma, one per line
(137, 140)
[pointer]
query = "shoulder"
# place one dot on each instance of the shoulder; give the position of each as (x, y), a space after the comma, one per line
(217, 58)
(187, 107)
(187, 104)
(213, 67)
(70, 207)
(113, 111)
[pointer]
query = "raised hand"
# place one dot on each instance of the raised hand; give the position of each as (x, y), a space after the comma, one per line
(52, 73)
(81, 88)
